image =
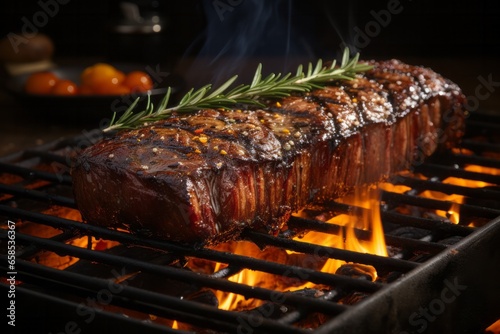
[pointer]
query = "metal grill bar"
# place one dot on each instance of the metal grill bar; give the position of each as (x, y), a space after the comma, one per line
(232, 259)
(426, 223)
(336, 253)
(31, 250)
(74, 283)
(449, 189)
(47, 156)
(446, 171)
(403, 219)
(396, 308)
(66, 309)
(480, 147)
(37, 195)
(473, 160)
(320, 226)
(31, 174)
(430, 203)
(78, 142)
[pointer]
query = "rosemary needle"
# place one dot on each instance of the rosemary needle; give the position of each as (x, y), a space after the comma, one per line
(272, 86)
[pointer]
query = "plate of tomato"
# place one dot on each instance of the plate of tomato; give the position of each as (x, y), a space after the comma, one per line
(87, 92)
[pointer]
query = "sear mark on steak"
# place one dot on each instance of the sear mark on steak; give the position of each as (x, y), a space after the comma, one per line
(202, 178)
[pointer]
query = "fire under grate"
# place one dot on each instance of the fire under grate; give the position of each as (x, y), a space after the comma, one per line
(440, 275)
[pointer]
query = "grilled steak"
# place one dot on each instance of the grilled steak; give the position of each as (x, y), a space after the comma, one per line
(202, 178)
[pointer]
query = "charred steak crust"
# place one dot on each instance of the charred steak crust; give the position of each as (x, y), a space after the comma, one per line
(202, 178)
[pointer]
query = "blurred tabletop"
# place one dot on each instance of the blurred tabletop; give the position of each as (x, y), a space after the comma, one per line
(21, 128)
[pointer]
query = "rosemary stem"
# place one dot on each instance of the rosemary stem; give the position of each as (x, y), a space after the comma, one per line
(274, 85)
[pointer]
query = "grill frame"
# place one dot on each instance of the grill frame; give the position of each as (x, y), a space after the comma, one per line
(430, 289)
(387, 298)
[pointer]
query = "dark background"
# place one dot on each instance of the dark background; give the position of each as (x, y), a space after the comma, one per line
(423, 28)
(459, 39)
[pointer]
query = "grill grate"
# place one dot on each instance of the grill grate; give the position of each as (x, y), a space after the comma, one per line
(33, 181)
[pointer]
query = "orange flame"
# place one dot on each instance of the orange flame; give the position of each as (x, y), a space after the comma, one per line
(453, 213)
(368, 199)
(229, 301)
(56, 260)
(369, 221)
(494, 328)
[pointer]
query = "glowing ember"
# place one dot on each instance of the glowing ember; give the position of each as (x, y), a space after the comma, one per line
(335, 241)
(231, 301)
(453, 213)
(52, 259)
(228, 301)
(367, 198)
(369, 220)
(346, 239)
(494, 328)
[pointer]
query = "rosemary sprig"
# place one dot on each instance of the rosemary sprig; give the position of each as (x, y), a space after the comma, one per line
(274, 85)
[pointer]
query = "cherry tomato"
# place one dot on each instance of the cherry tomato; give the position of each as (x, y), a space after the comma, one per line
(103, 79)
(41, 83)
(120, 76)
(138, 81)
(119, 90)
(97, 73)
(110, 88)
(86, 90)
(65, 87)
